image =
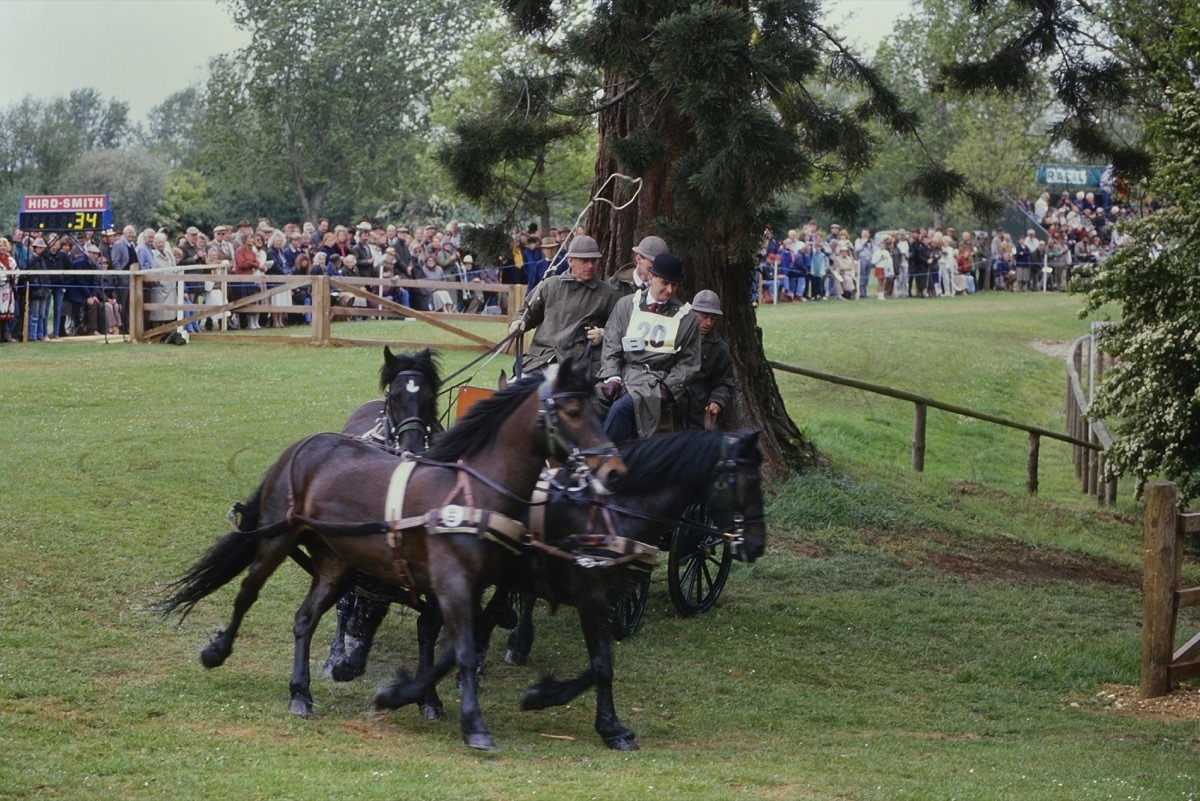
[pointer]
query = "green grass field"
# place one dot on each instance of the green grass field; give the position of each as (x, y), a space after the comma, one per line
(929, 636)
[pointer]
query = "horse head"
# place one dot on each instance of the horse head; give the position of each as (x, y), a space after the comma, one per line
(735, 501)
(572, 427)
(410, 383)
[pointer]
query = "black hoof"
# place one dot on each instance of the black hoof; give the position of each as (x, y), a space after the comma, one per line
(481, 741)
(536, 697)
(213, 655)
(397, 694)
(623, 743)
(515, 658)
(433, 712)
(341, 670)
(301, 707)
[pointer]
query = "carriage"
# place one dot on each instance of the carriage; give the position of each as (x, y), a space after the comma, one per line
(699, 557)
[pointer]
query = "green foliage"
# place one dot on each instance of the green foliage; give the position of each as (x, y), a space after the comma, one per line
(1152, 394)
(174, 126)
(187, 200)
(134, 178)
(322, 102)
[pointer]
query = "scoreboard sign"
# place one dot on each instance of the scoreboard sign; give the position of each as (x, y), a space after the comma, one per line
(64, 213)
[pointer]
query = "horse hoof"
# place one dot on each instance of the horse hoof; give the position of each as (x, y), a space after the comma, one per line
(301, 707)
(480, 741)
(623, 743)
(212, 655)
(432, 712)
(515, 659)
(342, 670)
(535, 698)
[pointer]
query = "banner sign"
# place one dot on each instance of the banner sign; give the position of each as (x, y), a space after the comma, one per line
(1069, 174)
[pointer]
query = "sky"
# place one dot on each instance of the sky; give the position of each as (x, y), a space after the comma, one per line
(142, 51)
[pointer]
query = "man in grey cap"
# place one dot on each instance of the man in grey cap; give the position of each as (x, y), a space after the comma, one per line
(568, 312)
(710, 389)
(637, 275)
(651, 348)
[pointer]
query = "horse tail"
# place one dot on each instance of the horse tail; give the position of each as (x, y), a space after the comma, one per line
(224, 561)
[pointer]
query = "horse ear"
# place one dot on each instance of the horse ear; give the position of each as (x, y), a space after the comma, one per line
(502, 382)
(388, 357)
(748, 443)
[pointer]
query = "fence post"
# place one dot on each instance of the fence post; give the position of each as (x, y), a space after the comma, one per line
(1031, 479)
(320, 310)
(136, 299)
(1158, 588)
(918, 442)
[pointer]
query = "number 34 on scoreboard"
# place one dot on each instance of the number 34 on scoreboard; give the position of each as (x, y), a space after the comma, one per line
(64, 213)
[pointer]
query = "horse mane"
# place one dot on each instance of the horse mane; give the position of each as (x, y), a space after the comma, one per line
(682, 457)
(423, 362)
(479, 427)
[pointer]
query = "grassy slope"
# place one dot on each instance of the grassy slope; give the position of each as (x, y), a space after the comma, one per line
(845, 664)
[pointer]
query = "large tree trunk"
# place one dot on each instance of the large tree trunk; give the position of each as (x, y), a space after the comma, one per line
(708, 265)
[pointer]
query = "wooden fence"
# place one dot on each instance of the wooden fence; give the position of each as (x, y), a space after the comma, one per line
(921, 406)
(1162, 597)
(1089, 461)
(322, 311)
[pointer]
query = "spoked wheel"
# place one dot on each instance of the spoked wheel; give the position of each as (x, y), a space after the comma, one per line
(628, 617)
(697, 564)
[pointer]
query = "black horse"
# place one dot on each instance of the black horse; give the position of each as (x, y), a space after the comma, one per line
(457, 534)
(666, 475)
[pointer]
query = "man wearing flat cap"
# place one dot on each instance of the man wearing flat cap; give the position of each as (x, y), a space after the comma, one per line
(568, 312)
(637, 275)
(651, 348)
(710, 389)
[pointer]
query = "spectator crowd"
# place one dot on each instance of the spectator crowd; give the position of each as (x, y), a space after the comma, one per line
(808, 264)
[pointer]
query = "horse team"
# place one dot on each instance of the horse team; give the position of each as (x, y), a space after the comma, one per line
(393, 509)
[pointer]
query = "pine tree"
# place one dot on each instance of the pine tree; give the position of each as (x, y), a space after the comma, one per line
(718, 108)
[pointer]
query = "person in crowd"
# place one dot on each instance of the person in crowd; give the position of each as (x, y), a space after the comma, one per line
(8, 292)
(39, 290)
(1058, 257)
(818, 265)
(110, 313)
(881, 261)
(901, 258)
(651, 348)
(545, 264)
(631, 278)
(83, 292)
(245, 263)
(864, 248)
(439, 299)
(845, 270)
(164, 291)
(568, 312)
(709, 390)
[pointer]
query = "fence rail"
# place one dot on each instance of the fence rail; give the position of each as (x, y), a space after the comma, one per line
(1090, 461)
(922, 404)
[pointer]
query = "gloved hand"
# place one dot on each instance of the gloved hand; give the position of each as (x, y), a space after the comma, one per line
(516, 326)
(610, 388)
(595, 334)
(665, 394)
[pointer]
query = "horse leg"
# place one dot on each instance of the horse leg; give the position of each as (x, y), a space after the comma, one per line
(429, 625)
(267, 558)
(358, 618)
(328, 577)
(458, 613)
(596, 620)
(520, 642)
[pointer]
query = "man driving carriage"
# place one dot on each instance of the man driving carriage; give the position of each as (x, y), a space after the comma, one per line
(568, 312)
(651, 348)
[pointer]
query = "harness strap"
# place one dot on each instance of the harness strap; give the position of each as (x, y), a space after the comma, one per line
(636, 555)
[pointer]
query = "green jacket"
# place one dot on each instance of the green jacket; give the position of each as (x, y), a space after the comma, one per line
(713, 382)
(560, 310)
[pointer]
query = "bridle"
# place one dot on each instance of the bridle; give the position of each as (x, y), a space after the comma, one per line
(397, 428)
(557, 445)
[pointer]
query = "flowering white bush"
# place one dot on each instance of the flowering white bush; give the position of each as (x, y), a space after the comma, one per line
(1151, 398)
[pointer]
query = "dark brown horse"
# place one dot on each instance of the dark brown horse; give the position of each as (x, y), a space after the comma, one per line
(403, 422)
(456, 536)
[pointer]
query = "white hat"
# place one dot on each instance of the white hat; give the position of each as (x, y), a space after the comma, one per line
(468, 259)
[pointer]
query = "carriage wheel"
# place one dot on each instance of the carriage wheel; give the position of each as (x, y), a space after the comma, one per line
(697, 565)
(628, 617)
